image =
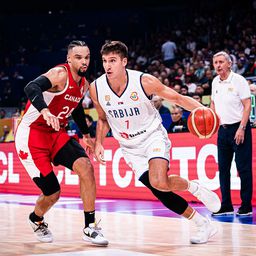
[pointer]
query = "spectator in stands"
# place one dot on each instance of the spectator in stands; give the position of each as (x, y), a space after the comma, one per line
(87, 102)
(200, 70)
(184, 90)
(207, 81)
(197, 97)
(199, 90)
(6, 131)
(180, 74)
(189, 82)
(252, 86)
(166, 82)
(231, 99)
(179, 123)
(177, 88)
(158, 103)
(7, 94)
(16, 113)
(2, 113)
(241, 66)
(168, 50)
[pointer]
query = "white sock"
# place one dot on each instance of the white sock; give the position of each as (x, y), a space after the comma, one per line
(197, 218)
(192, 187)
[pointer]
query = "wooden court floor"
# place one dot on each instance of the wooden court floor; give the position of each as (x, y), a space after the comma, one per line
(128, 234)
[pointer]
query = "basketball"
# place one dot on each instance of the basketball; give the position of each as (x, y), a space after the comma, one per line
(203, 122)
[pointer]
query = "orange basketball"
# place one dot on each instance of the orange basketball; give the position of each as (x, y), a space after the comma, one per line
(203, 122)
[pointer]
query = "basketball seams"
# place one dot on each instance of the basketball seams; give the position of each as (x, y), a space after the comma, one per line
(194, 124)
(206, 113)
(215, 122)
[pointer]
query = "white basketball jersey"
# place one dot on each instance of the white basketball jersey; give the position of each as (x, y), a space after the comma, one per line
(131, 116)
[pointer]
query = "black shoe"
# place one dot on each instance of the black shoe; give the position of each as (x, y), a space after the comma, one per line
(244, 210)
(224, 211)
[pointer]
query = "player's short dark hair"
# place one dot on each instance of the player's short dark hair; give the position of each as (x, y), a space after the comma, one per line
(117, 47)
(75, 43)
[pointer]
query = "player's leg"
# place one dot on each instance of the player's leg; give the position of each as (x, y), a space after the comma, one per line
(177, 204)
(73, 156)
(50, 187)
(32, 148)
(51, 193)
(158, 155)
(161, 181)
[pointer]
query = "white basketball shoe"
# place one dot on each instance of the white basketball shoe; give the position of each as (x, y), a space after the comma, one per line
(207, 197)
(42, 233)
(204, 233)
(92, 234)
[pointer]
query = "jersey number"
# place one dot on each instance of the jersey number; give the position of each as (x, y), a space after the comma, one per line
(127, 124)
(65, 113)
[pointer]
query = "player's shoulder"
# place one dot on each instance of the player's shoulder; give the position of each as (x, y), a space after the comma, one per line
(101, 78)
(57, 75)
(132, 72)
(148, 78)
(59, 71)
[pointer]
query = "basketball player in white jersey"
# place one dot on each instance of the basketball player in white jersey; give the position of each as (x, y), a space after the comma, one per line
(122, 99)
(41, 139)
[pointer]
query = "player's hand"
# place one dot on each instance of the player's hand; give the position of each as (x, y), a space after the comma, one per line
(99, 153)
(51, 119)
(89, 144)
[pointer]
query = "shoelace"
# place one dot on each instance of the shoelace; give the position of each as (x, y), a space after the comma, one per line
(43, 227)
(97, 225)
(96, 228)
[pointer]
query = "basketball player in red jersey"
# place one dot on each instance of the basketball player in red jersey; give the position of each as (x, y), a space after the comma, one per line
(41, 139)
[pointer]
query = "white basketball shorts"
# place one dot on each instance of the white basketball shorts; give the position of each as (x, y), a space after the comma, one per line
(156, 145)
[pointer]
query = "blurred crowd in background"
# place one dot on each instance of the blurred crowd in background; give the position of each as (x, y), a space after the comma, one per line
(174, 42)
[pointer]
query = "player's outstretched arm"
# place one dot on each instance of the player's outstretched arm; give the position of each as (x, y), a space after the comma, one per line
(152, 85)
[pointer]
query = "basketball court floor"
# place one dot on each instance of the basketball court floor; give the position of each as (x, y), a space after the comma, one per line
(132, 227)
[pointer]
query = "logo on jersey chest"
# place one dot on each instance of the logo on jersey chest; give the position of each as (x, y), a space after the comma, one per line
(134, 96)
(107, 99)
(72, 98)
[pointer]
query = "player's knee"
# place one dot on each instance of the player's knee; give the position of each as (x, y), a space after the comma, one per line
(83, 168)
(49, 184)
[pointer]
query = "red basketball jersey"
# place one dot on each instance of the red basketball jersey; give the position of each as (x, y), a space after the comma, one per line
(61, 104)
